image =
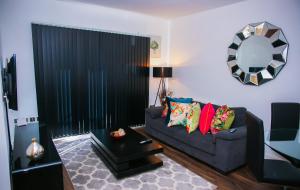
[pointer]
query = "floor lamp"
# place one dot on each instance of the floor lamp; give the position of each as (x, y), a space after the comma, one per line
(161, 72)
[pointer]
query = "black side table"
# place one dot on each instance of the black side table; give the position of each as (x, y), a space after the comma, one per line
(43, 174)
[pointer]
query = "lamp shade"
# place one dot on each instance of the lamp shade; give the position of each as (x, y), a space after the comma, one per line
(162, 72)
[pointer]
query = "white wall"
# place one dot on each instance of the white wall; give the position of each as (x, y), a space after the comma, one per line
(4, 156)
(17, 16)
(198, 52)
(198, 47)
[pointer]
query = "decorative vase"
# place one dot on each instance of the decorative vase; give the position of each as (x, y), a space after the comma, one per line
(34, 151)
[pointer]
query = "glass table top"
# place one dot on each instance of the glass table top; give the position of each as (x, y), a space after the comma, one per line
(285, 141)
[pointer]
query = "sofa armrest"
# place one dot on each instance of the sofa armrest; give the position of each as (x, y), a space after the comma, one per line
(240, 133)
(154, 112)
(231, 149)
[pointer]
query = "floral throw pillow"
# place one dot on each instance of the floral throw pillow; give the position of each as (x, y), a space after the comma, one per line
(178, 113)
(193, 117)
(222, 120)
(165, 111)
(173, 99)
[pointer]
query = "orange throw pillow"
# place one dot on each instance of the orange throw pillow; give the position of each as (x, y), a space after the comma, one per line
(206, 117)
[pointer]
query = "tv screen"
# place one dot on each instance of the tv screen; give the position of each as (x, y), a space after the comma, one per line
(4, 80)
(11, 77)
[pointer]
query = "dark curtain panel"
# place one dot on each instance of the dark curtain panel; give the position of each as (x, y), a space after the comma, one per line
(89, 79)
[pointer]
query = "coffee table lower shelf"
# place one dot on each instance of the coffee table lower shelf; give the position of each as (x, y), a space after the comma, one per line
(134, 166)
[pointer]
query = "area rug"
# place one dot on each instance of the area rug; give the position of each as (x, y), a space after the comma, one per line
(88, 172)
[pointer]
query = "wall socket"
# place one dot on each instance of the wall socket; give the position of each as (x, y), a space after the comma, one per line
(25, 120)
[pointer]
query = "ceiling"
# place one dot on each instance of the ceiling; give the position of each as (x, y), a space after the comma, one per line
(167, 9)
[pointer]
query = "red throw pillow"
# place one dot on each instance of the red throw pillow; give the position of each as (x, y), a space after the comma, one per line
(165, 111)
(206, 117)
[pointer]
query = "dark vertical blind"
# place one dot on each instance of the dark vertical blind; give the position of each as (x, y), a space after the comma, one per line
(89, 79)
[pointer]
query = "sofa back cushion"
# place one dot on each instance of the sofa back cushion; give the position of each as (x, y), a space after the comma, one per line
(154, 112)
(240, 116)
(206, 116)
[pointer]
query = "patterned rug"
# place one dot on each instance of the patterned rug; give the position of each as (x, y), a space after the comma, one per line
(88, 172)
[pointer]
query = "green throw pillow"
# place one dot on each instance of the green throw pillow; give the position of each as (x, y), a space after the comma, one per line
(222, 120)
(193, 116)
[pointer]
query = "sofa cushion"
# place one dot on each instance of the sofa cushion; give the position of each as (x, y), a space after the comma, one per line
(206, 116)
(154, 112)
(222, 120)
(181, 100)
(203, 143)
(159, 125)
(240, 116)
(240, 133)
(192, 118)
(179, 112)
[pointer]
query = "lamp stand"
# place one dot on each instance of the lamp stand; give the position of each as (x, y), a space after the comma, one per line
(163, 86)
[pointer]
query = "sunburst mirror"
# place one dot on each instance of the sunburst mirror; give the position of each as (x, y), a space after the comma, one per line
(258, 53)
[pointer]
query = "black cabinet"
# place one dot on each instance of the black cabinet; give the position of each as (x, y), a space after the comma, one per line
(45, 173)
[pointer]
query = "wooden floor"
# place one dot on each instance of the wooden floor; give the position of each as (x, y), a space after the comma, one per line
(67, 181)
(239, 179)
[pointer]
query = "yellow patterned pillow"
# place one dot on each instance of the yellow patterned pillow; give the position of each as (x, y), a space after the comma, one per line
(179, 112)
(193, 117)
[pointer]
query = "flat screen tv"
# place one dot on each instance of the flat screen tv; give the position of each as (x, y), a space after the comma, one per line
(11, 83)
(5, 84)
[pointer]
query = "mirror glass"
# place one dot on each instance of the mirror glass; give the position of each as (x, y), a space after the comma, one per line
(254, 54)
(258, 53)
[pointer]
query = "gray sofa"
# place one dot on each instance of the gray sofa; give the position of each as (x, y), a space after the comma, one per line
(224, 151)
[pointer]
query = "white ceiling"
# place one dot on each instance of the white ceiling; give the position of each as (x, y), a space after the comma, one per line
(168, 9)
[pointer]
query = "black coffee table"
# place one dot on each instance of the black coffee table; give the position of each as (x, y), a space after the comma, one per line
(126, 156)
